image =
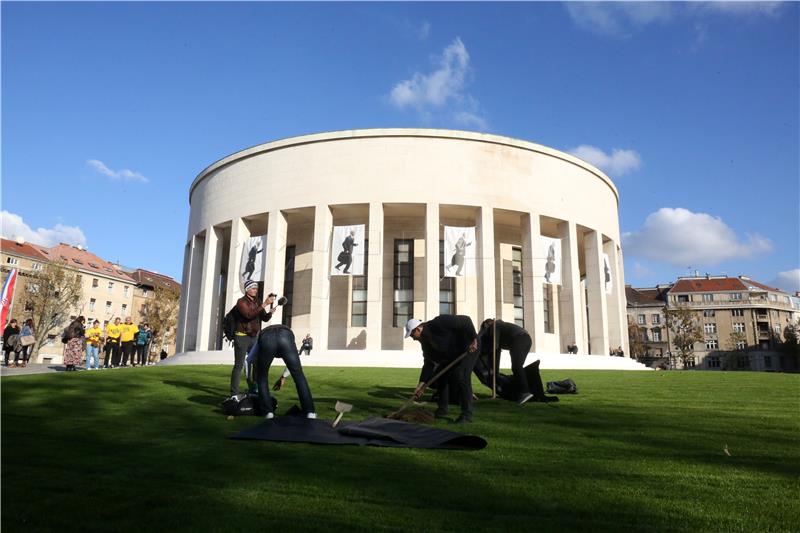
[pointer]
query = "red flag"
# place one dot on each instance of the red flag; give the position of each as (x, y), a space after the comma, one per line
(7, 298)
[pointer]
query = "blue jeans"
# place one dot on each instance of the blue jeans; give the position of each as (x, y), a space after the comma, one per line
(92, 352)
(278, 341)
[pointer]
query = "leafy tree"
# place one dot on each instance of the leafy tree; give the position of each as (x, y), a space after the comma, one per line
(636, 339)
(53, 293)
(734, 351)
(161, 313)
(686, 331)
(791, 344)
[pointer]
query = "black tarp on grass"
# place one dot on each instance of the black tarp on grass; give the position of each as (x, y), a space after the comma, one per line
(370, 432)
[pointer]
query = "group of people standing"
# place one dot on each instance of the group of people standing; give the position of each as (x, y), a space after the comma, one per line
(119, 343)
(18, 341)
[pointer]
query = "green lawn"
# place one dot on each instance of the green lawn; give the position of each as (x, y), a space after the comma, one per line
(146, 449)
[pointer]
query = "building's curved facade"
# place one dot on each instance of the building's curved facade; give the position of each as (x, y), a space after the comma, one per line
(405, 185)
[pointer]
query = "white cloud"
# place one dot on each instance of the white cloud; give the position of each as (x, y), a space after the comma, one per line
(641, 271)
(741, 8)
(12, 226)
(788, 280)
(619, 162)
(682, 238)
(618, 18)
(442, 90)
(121, 175)
(424, 30)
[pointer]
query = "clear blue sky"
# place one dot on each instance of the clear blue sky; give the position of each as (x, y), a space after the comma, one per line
(109, 111)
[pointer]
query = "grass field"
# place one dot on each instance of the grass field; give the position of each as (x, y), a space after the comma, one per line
(146, 449)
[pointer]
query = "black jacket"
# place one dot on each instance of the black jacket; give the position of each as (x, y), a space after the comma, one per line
(443, 339)
(506, 333)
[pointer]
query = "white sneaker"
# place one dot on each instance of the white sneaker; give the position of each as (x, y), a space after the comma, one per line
(311, 415)
(270, 416)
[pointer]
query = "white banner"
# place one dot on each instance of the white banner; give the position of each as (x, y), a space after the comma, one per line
(254, 250)
(607, 274)
(347, 251)
(459, 252)
(549, 259)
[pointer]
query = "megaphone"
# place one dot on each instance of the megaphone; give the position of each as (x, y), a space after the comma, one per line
(283, 300)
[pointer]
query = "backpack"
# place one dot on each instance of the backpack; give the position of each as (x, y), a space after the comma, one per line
(229, 323)
(66, 335)
(566, 386)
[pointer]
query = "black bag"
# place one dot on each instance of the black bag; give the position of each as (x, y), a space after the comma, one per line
(66, 335)
(565, 386)
(245, 405)
(229, 324)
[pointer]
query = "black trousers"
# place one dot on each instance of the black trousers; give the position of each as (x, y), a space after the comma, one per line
(141, 354)
(520, 346)
(458, 379)
(279, 341)
(112, 353)
(241, 345)
(127, 351)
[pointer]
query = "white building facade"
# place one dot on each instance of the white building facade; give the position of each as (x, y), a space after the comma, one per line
(405, 186)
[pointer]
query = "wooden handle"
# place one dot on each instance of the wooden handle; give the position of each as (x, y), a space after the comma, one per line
(336, 420)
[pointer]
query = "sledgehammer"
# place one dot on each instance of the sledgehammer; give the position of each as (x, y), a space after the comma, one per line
(341, 408)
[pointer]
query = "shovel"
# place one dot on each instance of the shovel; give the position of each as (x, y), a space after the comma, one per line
(341, 408)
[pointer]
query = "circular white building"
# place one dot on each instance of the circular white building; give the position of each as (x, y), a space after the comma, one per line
(541, 234)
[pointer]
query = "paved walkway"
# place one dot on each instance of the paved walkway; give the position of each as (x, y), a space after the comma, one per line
(43, 369)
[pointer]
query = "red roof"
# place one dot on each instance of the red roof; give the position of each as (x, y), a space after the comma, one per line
(25, 249)
(708, 285)
(644, 296)
(760, 285)
(87, 261)
(153, 279)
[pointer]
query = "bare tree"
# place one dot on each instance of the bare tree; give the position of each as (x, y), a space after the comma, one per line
(161, 313)
(686, 330)
(734, 354)
(53, 292)
(637, 338)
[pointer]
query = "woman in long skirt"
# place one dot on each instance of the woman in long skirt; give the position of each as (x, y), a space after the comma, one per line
(74, 350)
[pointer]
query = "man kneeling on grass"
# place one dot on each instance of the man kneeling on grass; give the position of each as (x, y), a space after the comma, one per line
(445, 339)
(278, 341)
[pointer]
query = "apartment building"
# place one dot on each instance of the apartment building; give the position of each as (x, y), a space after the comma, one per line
(647, 318)
(27, 259)
(146, 284)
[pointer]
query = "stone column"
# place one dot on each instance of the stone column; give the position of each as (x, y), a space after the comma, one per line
(239, 234)
(375, 276)
(571, 310)
(595, 287)
(431, 261)
(487, 306)
(207, 287)
(532, 279)
(614, 302)
(320, 276)
(180, 336)
(275, 259)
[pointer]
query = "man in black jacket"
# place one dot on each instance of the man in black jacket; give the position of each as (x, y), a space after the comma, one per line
(445, 339)
(251, 314)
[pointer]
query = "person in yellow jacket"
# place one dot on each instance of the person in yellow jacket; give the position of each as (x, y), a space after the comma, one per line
(93, 336)
(113, 332)
(128, 331)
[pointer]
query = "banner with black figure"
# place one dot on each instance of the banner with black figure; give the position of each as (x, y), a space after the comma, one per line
(459, 252)
(548, 259)
(251, 266)
(347, 251)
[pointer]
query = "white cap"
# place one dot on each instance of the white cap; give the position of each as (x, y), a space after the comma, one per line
(411, 325)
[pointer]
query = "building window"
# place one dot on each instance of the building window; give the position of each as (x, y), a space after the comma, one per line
(403, 282)
(358, 312)
(547, 307)
(92, 302)
(656, 335)
(708, 297)
(12, 260)
(516, 278)
(32, 288)
(709, 313)
(712, 344)
(108, 308)
(737, 312)
(36, 266)
(125, 291)
(743, 361)
(28, 305)
(710, 327)
(773, 298)
(767, 361)
(683, 298)
(288, 284)
(124, 309)
(145, 292)
(738, 327)
(95, 283)
(713, 362)
(741, 345)
(655, 319)
(736, 296)
(777, 329)
(110, 286)
(689, 362)
(641, 320)
(447, 287)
